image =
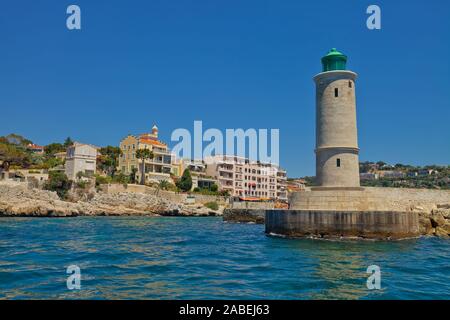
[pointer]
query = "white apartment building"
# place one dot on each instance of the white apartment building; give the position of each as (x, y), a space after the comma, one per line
(80, 158)
(248, 179)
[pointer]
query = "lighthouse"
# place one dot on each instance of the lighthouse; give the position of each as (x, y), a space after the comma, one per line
(337, 162)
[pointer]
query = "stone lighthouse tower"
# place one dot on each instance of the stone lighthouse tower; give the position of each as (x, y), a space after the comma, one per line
(337, 163)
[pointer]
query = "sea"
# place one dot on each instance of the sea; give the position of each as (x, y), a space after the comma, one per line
(207, 258)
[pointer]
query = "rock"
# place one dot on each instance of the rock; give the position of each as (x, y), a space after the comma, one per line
(425, 226)
(18, 199)
(417, 209)
(443, 211)
(437, 220)
(441, 232)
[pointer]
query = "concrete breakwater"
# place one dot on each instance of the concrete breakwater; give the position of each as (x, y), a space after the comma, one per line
(368, 212)
(346, 224)
(435, 222)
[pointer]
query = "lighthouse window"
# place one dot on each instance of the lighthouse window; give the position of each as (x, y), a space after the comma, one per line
(349, 84)
(338, 162)
(336, 92)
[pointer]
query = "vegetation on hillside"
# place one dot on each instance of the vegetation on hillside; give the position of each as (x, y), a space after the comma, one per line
(59, 183)
(15, 153)
(185, 182)
(406, 176)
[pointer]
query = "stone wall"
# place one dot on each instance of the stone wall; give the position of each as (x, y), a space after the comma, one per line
(337, 224)
(369, 199)
(168, 195)
(252, 205)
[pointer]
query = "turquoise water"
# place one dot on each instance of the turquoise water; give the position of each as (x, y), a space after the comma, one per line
(205, 258)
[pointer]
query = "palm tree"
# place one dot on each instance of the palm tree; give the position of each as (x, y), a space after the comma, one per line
(144, 154)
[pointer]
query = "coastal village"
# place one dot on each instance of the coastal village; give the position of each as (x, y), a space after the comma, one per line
(143, 159)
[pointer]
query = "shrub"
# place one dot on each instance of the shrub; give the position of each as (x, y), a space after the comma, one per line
(58, 181)
(102, 180)
(82, 184)
(212, 205)
(121, 178)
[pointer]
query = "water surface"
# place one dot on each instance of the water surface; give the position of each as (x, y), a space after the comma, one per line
(205, 258)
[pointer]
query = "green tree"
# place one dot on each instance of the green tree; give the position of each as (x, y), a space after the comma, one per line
(185, 183)
(109, 160)
(17, 140)
(14, 155)
(53, 148)
(68, 142)
(58, 181)
(143, 154)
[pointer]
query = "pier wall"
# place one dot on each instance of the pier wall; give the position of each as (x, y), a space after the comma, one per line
(346, 224)
(368, 199)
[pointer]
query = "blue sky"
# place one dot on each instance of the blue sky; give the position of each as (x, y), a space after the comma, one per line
(232, 64)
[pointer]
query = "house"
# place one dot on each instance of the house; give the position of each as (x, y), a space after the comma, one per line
(82, 158)
(368, 176)
(35, 148)
(61, 155)
(155, 169)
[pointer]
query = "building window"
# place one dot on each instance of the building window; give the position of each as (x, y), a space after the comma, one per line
(349, 84)
(336, 92)
(338, 162)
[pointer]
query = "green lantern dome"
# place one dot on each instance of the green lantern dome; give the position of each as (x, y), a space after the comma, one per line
(334, 60)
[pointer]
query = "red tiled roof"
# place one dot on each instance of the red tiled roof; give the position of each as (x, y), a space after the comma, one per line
(152, 142)
(35, 146)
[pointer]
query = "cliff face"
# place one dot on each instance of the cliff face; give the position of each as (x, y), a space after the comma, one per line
(16, 199)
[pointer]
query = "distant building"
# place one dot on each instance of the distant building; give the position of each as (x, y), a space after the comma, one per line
(156, 169)
(249, 180)
(282, 190)
(81, 158)
(35, 148)
(426, 172)
(391, 174)
(296, 185)
(197, 168)
(368, 176)
(61, 155)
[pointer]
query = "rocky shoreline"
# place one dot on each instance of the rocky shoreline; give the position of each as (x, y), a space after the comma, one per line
(17, 200)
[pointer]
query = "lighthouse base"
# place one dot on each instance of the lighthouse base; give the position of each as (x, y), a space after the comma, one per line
(379, 213)
(342, 224)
